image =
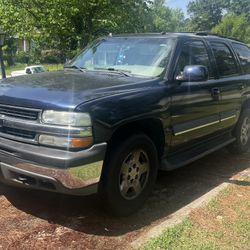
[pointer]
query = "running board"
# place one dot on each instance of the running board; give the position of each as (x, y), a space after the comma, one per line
(188, 156)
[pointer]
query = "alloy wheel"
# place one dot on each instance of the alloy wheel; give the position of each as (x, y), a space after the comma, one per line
(134, 174)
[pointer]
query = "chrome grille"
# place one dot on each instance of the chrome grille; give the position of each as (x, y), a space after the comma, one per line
(18, 132)
(21, 113)
(24, 125)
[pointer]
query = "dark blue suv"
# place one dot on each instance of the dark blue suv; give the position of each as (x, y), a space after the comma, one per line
(125, 107)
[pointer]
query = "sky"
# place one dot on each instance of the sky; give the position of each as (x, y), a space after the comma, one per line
(182, 4)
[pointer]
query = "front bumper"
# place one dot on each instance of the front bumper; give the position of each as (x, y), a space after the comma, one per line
(50, 169)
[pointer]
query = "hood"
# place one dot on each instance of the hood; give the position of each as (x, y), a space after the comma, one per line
(63, 89)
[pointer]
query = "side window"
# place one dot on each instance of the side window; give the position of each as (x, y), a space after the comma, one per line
(193, 53)
(226, 63)
(28, 71)
(244, 55)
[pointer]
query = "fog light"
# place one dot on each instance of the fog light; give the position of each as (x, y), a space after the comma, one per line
(65, 142)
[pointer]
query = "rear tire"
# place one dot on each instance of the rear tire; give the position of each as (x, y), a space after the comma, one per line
(242, 134)
(129, 175)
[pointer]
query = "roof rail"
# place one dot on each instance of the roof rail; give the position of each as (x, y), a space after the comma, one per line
(205, 33)
(202, 33)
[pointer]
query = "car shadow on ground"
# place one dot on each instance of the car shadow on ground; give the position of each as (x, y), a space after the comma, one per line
(173, 191)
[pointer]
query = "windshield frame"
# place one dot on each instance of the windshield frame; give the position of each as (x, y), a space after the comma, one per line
(163, 74)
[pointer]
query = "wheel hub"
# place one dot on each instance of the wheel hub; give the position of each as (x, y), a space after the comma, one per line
(134, 174)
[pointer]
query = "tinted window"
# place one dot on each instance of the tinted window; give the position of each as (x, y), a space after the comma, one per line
(244, 55)
(28, 71)
(193, 53)
(39, 69)
(226, 64)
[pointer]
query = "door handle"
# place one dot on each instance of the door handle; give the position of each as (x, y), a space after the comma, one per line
(242, 86)
(216, 94)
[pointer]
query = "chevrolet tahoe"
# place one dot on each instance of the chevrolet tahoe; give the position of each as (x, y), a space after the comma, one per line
(122, 109)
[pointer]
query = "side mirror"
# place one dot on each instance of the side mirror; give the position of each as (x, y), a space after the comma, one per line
(194, 73)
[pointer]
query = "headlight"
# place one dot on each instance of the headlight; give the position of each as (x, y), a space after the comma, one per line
(66, 118)
(82, 140)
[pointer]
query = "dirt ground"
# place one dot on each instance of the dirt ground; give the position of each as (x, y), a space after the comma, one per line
(41, 220)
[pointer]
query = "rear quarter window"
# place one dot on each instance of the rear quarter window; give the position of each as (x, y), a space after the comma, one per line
(243, 53)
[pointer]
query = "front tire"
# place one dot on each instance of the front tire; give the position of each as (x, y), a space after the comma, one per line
(242, 134)
(129, 175)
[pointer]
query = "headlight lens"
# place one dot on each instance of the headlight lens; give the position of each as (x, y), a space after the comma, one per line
(66, 118)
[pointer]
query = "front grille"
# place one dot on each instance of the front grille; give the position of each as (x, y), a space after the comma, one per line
(18, 132)
(21, 113)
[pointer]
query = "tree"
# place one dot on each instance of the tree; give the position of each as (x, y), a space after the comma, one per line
(70, 24)
(239, 7)
(205, 14)
(9, 50)
(234, 26)
(162, 18)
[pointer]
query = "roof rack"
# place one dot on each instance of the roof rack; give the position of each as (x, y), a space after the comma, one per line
(205, 33)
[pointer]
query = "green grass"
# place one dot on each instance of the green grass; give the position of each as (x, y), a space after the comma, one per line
(248, 205)
(243, 227)
(20, 66)
(223, 224)
(53, 67)
(213, 205)
(182, 236)
(188, 235)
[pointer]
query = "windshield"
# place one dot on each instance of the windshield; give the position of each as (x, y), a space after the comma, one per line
(146, 57)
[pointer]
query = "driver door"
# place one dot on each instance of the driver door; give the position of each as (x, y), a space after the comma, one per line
(194, 109)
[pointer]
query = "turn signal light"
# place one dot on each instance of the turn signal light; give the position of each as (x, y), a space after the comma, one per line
(65, 142)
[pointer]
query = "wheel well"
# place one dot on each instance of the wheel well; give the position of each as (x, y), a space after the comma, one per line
(151, 127)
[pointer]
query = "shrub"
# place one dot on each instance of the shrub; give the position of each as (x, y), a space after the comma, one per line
(52, 56)
(23, 57)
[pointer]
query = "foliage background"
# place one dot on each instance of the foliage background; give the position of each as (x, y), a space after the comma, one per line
(60, 28)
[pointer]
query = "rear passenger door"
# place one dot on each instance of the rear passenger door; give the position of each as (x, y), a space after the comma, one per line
(229, 83)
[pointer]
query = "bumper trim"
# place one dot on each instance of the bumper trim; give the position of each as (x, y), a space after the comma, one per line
(49, 169)
(23, 178)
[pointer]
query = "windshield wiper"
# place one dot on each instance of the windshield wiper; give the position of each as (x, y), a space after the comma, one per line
(119, 71)
(75, 67)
